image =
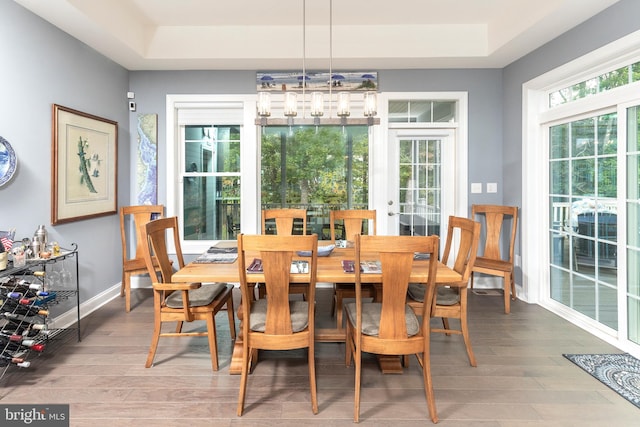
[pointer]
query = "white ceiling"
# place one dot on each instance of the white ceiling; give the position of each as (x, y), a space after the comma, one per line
(268, 35)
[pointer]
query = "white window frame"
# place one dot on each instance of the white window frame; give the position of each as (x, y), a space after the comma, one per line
(248, 160)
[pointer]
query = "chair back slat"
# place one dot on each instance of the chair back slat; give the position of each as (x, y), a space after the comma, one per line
(467, 233)
(157, 232)
(139, 215)
(277, 276)
(284, 220)
(396, 269)
(495, 217)
(353, 222)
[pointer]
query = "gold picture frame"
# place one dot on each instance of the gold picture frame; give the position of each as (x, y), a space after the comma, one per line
(84, 161)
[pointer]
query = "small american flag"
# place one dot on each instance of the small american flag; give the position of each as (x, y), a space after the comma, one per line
(7, 243)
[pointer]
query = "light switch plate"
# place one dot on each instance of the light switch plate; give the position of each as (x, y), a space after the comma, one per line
(492, 187)
(476, 187)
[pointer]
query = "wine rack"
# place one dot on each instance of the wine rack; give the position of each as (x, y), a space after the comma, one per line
(30, 298)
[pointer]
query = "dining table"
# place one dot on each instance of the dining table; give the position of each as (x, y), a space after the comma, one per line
(329, 270)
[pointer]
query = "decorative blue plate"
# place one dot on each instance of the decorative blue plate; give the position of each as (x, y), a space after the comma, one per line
(8, 161)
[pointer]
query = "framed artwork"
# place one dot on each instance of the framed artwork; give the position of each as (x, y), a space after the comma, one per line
(84, 160)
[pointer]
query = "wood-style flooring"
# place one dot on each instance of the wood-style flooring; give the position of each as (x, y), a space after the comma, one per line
(522, 379)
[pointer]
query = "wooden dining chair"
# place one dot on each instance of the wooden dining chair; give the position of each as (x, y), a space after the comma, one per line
(450, 300)
(275, 322)
(131, 218)
(287, 222)
(181, 302)
(351, 222)
(391, 327)
(493, 260)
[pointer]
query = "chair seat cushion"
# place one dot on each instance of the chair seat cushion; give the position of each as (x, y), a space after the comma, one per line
(447, 296)
(371, 313)
(299, 315)
(416, 291)
(444, 296)
(199, 297)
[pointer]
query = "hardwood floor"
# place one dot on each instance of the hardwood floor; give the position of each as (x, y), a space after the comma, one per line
(522, 379)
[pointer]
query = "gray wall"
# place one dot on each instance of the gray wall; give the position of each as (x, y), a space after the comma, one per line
(42, 65)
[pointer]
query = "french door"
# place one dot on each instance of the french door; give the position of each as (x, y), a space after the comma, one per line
(421, 165)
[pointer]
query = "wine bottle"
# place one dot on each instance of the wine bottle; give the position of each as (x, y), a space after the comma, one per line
(23, 345)
(37, 298)
(26, 330)
(13, 306)
(25, 288)
(7, 336)
(9, 358)
(13, 322)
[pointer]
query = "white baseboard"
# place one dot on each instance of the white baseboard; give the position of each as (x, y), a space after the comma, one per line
(70, 317)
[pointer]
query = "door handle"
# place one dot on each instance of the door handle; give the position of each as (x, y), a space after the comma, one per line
(390, 203)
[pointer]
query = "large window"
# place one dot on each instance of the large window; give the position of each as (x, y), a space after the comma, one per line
(318, 168)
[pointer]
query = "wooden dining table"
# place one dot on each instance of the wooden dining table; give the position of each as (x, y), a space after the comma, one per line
(330, 270)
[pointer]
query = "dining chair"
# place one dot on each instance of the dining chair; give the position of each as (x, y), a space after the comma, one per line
(275, 322)
(287, 221)
(451, 300)
(131, 218)
(351, 222)
(494, 261)
(182, 302)
(391, 327)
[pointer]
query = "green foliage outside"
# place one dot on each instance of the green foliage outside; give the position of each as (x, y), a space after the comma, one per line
(306, 165)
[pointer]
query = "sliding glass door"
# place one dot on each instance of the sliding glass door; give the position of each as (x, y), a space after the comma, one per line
(633, 221)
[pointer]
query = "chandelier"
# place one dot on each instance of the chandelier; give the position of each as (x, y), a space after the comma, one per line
(315, 104)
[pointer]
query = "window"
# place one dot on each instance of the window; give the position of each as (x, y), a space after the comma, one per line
(316, 168)
(602, 83)
(211, 182)
(208, 154)
(422, 111)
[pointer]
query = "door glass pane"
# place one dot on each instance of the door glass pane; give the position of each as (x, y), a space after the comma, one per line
(633, 219)
(583, 216)
(561, 286)
(608, 306)
(420, 186)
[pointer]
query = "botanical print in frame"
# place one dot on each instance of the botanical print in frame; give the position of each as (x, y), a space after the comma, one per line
(147, 163)
(84, 165)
